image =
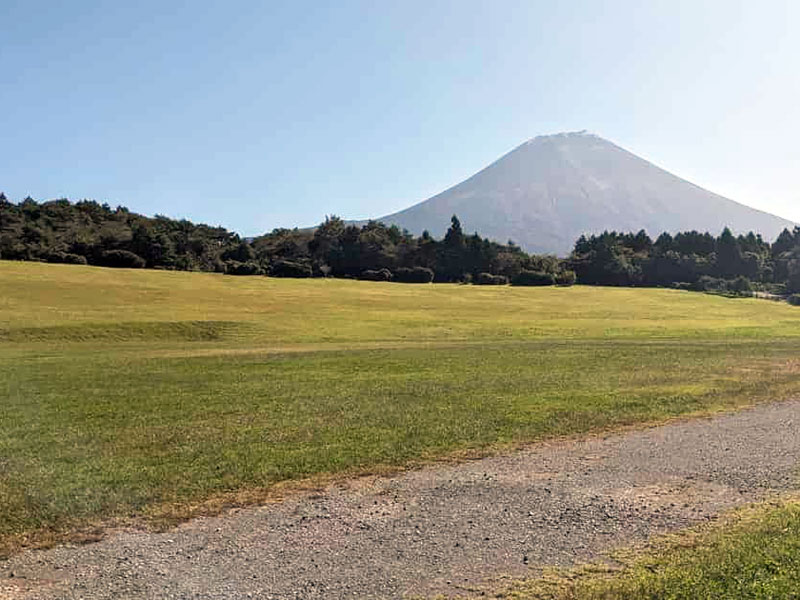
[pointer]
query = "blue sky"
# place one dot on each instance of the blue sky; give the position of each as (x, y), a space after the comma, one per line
(266, 114)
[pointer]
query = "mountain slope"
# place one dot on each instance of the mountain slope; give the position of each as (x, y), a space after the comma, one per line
(550, 190)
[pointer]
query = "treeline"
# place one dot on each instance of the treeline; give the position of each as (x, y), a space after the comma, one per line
(90, 233)
(379, 252)
(87, 232)
(726, 263)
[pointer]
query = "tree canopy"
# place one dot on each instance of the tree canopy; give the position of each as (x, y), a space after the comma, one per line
(87, 232)
(693, 259)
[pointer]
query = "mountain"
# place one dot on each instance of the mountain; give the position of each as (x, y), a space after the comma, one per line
(550, 190)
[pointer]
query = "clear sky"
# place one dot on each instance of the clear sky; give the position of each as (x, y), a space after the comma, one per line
(255, 115)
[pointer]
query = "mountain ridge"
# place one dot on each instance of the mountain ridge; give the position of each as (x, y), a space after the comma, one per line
(551, 189)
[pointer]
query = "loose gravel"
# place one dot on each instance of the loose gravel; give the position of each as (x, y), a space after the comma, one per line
(446, 529)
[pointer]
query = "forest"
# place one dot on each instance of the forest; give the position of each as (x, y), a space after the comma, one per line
(726, 263)
(87, 232)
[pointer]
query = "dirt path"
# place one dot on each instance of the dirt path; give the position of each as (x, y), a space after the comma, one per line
(440, 529)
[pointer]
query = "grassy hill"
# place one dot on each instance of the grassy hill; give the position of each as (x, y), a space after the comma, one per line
(156, 395)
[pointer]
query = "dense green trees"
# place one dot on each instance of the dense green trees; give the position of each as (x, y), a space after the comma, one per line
(341, 250)
(90, 233)
(695, 260)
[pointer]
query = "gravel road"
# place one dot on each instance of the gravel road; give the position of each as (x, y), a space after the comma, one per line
(442, 529)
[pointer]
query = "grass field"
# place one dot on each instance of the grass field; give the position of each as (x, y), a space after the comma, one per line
(157, 395)
(753, 553)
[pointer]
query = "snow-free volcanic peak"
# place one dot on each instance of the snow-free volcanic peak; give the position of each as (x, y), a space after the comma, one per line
(551, 189)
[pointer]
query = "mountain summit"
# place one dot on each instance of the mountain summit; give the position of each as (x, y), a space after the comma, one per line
(551, 189)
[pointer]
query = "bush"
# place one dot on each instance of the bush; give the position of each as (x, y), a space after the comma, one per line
(566, 278)
(489, 279)
(534, 278)
(414, 275)
(793, 281)
(379, 275)
(779, 289)
(74, 259)
(234, 267)
(794, 299)
(290, 268)
(184, 263)
(740, 285)
(706, 283)
(55, 257)
(122, 259)
(66, 258)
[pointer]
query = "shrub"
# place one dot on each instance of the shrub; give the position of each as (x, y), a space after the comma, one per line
(66, 258)
(122, 259)
(706, 283)
(234, 267)
(185, 263)
(489, 279)
(534, 278)
(794, 299)
(414, 275)
(740, 285)
(290, 268)
(566, 278)
(779, 289)
(379, 275)
(793, 281)
(74, 259)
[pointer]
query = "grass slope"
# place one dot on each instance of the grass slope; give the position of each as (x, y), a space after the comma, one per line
(144, 393)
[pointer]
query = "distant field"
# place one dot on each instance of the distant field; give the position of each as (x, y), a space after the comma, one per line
(154, 394)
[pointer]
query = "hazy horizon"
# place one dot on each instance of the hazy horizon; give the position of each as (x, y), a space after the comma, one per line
(256, 116)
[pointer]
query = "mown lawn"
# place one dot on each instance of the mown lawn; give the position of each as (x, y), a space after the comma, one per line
(143, 394)
(752, 554)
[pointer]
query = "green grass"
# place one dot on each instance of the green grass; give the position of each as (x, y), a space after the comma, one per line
(753, 554)
(130, 394)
